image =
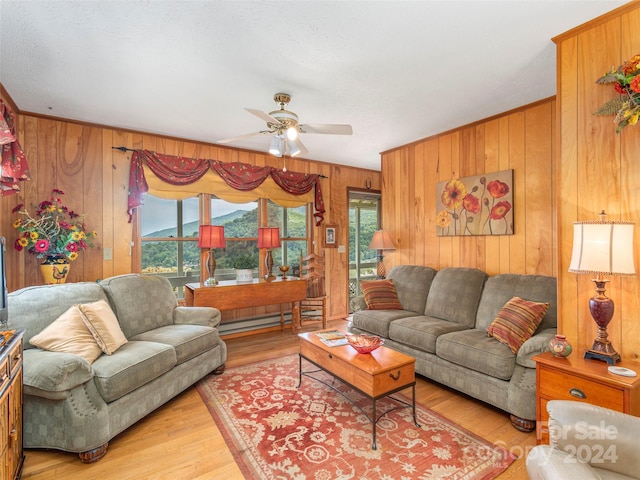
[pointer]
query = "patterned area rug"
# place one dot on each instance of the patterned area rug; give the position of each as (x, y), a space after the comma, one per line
(279, 431)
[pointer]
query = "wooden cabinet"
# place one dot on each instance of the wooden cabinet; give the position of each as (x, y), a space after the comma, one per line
(11, 452)
(581, 380)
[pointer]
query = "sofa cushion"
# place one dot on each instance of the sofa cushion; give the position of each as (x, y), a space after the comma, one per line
(499, 289)
(378, 321)
(421, 332)
(189, 341)
(516, 322)
(140, 302)
(103, 325)
(68, 334)
(412, 284)
(380, 295)
(132, 366)
(455, 294)
(473, 349)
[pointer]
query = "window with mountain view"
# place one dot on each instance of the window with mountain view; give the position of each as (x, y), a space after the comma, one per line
(170, 237)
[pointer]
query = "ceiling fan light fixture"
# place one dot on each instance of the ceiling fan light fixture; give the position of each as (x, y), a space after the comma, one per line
(293, 148)
(292, 133)
(275, 148)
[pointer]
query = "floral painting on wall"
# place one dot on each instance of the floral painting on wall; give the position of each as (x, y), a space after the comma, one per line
(480, 205)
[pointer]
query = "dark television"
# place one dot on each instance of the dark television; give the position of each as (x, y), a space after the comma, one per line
(4, 307)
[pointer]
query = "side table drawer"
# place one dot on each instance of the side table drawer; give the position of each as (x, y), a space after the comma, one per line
(559, 386)
(15, 358)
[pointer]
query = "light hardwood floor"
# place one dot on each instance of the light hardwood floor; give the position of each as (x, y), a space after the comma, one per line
(180, 441)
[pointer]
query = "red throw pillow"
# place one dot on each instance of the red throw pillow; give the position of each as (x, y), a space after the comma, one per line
(516, 322)
(380, 295)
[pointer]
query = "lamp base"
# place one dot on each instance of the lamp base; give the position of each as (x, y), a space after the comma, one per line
(210, 282)
(610, 358)
(381, 272)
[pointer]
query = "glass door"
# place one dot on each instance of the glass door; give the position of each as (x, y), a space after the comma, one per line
(364, 220)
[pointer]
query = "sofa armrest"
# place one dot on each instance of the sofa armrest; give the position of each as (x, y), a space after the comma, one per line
(53, 374)
(207, 316)
(533, 346)
(547, 463)
(358, 303)
(604, 438)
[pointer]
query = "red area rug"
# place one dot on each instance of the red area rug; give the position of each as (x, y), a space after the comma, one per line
(276, 430)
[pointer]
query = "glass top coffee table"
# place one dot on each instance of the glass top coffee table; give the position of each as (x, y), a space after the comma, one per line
(375, 375)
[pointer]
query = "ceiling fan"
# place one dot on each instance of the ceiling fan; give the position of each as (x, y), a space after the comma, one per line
(284, 126)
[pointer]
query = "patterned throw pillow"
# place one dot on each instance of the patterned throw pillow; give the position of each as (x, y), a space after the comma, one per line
(380, 295)
(103, 325)
(516, 322)
(68, 334)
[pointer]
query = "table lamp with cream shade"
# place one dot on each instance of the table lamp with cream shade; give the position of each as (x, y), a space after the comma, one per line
(211, 236)
(381, 242)
(602, 248)
(269, 238)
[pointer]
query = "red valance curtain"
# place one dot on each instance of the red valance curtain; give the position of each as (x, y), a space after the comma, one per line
(13, 167)
(240, 176)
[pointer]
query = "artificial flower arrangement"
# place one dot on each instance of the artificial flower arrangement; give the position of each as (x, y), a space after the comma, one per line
(54, 230)
(626, 81)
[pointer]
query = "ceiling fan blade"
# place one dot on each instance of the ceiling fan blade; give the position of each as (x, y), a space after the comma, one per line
(240, 137)
(327, 128)
(264, 116)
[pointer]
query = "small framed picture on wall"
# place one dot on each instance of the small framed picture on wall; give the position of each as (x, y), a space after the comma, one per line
(330, 236)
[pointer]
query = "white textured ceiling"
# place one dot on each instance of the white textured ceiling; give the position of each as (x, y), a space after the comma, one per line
(396, 71)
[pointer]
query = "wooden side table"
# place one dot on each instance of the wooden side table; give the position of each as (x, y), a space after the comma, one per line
(581, 380)
(229, 295)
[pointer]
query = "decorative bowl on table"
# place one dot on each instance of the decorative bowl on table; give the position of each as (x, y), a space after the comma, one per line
(284, 269)
(364, 343)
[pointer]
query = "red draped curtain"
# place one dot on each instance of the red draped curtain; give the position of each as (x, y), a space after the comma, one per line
(240, 176)
(13, 167)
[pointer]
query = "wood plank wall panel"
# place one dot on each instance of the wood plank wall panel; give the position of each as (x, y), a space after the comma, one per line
(522, 140)
(597, 169)
(79, 159)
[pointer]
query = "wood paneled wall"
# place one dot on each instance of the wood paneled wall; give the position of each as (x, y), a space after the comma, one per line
(597, 169)
(78, 159)
(522, 140)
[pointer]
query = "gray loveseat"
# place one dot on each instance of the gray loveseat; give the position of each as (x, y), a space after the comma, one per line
(443, 323)
(77, 406)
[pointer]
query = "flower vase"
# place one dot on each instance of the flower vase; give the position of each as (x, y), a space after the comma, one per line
(559, 346)
(55, 269)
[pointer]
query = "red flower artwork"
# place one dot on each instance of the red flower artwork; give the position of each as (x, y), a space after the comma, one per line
(497, 189)
(473, 205)
(499, 210)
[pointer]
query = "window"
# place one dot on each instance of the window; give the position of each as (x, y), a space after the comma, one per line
(169, 240)
(169, 237)
(294, 237)
(240, 221)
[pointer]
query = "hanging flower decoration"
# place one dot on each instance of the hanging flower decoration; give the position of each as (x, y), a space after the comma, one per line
(54, 230)
(626, 81)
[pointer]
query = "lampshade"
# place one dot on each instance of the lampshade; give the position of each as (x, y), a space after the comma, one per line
(603, 248)
(268, 237)
(211, 236)
(275, 148)
(381, 241)
(293, 148)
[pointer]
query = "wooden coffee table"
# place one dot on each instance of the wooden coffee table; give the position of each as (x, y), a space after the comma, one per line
(378, 374)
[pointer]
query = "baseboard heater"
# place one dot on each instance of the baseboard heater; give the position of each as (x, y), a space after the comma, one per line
(254, 323)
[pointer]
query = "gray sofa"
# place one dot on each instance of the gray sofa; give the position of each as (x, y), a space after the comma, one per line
(443, 324)
(77, 406)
